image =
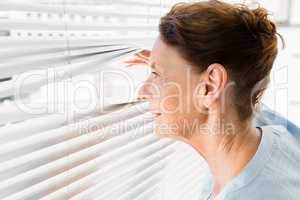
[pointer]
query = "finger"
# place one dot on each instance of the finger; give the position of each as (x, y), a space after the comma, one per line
(145, 53)
(128, 64)
(141, 56)
(137, 58)
(135, 61)
(132, 64)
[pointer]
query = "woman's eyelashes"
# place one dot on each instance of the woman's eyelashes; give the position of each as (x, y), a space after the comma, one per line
(155, 74)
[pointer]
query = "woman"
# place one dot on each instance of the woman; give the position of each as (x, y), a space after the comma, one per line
(210, 66)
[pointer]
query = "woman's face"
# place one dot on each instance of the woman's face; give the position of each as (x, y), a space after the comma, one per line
(173, 90)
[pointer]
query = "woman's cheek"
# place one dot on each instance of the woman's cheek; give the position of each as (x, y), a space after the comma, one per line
(171, 99)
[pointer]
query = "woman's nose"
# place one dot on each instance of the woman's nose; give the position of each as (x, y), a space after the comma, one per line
(143, 93)
(146, 92)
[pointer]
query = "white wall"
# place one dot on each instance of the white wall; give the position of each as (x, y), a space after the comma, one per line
(283, 94)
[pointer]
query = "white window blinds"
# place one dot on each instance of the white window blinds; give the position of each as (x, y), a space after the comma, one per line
(71, 127)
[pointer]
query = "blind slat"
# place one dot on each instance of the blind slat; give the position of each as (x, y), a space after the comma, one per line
(69, 42)
(45, 139)
(106, 151)
(12, 53)
(46, 171)
(150, 154)
(118, 187)
(73, 10)
(39, 25)
(59, 121)
(141, 186)
(48, 154)
(43, 77)
(149, 193)
(158, 3)
(19, 66)
(51, 184)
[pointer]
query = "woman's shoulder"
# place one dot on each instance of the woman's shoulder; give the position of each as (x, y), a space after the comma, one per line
(269, 190)
(285, 153)
(282, 172)
(273, 173)
(287, 144)
(277, 174)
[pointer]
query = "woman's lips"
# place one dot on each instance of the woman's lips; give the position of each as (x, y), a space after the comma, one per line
(156, 113)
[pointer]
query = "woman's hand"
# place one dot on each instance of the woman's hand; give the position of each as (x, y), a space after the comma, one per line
(140, 58)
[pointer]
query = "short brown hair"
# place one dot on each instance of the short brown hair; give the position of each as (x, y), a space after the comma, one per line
(243, 40)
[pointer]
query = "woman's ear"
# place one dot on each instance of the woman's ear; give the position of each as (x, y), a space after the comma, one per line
(216, 81)
(213, 83)
(200, 94)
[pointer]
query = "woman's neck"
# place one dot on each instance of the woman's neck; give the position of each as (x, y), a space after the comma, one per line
(227, 154)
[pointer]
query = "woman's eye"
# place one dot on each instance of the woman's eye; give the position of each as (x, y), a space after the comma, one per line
(155, 74)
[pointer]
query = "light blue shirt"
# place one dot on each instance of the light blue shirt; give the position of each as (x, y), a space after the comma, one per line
(274, 171)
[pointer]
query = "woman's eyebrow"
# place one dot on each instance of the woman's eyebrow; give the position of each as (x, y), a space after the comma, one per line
(152, 65)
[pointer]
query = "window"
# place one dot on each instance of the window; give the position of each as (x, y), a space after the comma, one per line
(71, 127)
(70, 124)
